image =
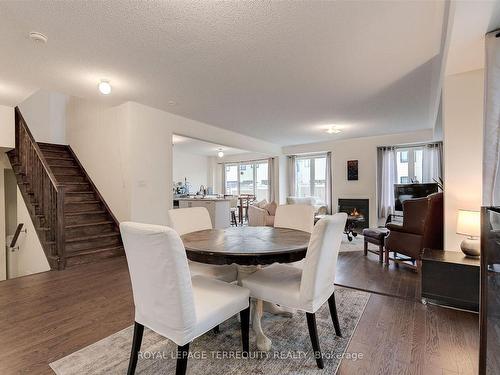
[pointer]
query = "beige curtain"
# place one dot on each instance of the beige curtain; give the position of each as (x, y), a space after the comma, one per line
(433, 162)
(223, 174)
(329, 184)
(387, 177)
(271, 191)
(291, 175)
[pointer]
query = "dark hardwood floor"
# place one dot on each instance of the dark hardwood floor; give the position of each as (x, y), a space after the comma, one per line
(354, 270)
(399, 336)
(47, 316)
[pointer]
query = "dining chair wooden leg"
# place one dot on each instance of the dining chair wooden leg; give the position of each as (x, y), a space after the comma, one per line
(313, 334)
(245, 330)
(136, 346)
(333, 312)
(182, 359)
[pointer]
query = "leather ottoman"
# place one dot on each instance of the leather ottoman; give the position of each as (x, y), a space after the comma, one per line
(375, 236)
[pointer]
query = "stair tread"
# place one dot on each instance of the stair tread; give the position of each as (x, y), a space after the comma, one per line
(80, 192)
(93, 237)
(74, 213)
(64, 166)
(75, 183)
(58, 158)
(92, 251)
(51, 144)
(72, 226)
(84, 202)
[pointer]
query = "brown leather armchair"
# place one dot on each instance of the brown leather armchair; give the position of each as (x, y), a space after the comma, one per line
(422, 228)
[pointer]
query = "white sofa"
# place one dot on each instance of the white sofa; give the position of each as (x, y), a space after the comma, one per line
(310, 201)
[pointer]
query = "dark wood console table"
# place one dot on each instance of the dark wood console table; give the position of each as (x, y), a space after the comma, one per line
(449, 278)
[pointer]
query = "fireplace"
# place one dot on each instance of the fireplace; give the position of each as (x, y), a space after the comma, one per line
(358, 211)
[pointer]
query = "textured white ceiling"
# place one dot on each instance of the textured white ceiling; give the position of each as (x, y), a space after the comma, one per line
(199, 147)
(280, 71)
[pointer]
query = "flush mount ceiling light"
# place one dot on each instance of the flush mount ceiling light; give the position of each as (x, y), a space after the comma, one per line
(333, 129)
(172, 102)
(220, 154)
(38, 37)
(104, 87)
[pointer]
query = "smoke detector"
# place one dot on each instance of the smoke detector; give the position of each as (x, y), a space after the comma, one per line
(38, 37)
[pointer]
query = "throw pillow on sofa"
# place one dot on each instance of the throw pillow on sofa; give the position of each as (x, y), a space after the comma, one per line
(271, 208)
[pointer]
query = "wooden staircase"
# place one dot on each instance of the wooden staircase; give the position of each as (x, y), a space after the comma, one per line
(72, 220)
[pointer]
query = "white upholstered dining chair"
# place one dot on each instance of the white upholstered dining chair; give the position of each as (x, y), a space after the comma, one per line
(309, 288)
(168, 300)
(295, 216)
(187, 220)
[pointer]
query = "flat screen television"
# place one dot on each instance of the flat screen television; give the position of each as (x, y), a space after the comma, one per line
(489, 307)
(403, 192)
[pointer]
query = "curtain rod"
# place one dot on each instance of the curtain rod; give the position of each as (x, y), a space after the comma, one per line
(245, 161)
(412, 144)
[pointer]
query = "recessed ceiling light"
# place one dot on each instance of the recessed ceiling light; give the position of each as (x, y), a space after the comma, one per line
(104, 87)
(333, 129)
(38, 37)
(172, 102)
(220, 154)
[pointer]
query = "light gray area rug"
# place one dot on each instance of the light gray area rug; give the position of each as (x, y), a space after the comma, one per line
(212, 353)
(356, 244)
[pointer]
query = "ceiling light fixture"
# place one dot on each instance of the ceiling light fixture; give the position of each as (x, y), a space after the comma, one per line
(333, 129)
(104, 87)
(38, 37)
(220, 154)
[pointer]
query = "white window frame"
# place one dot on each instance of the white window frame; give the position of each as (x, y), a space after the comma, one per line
(312, 170)
(411, 162)
(238, 164)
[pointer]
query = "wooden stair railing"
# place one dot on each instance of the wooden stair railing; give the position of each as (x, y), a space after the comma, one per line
(72, 220)
(41, 190)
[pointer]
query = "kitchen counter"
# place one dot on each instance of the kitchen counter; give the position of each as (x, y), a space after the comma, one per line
(219, 209)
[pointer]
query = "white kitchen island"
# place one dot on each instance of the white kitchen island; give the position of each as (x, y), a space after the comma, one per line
(218, 208)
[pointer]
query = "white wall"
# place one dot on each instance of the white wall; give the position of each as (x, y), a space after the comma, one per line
(127, 151)
(45, 114)
(193, 167)
(365, 151)
(29, 258)
(463, 148)
(7, 137)
(99, 136)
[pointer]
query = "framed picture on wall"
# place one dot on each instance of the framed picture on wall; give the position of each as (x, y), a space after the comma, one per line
(352, 170)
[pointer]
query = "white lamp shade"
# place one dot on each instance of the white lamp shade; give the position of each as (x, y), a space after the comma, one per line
(469, 223)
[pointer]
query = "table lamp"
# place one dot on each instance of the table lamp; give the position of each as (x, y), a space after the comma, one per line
(469, 224)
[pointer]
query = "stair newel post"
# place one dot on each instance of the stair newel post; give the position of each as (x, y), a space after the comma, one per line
(60, 235)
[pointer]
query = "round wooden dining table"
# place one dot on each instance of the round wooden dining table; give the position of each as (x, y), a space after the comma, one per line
(249, 248)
